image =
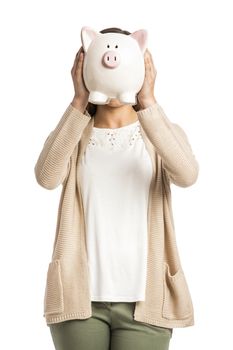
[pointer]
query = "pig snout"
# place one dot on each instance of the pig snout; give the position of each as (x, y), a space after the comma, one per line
(111, 59)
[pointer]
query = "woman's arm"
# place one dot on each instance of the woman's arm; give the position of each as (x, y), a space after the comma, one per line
(169, 139)
(172, 145)
(53, 162)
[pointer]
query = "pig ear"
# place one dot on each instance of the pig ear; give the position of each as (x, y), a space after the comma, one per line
(87, 35)
(141, 37)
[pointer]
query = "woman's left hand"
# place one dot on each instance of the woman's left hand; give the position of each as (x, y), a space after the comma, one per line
(146, 96)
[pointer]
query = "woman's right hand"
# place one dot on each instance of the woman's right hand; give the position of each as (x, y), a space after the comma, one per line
(81, 94)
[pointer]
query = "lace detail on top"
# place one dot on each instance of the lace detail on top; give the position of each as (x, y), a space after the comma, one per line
(115, 139)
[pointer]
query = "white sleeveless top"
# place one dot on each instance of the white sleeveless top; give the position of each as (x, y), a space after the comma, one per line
(115, 175)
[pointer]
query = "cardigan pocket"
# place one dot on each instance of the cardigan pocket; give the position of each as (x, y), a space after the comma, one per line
(177, 303)
(53, 298)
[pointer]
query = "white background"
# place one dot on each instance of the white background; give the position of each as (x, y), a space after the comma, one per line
(191, 44)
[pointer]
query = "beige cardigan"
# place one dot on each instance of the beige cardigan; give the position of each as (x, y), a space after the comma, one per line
(168, 301)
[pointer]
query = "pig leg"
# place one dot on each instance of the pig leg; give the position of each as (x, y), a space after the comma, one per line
(127, 97)
(98, 97)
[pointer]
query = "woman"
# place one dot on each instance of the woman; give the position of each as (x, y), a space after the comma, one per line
(115, 279)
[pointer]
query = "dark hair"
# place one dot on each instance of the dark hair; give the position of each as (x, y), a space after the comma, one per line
(91, 107)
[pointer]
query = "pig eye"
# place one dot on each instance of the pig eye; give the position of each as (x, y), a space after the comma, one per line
(108, 46)
(116, 46)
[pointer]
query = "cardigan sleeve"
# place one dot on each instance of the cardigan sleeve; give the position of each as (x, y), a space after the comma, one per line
(172, 144)
(54, 159)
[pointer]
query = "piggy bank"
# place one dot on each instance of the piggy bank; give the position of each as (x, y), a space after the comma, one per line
(113, 65)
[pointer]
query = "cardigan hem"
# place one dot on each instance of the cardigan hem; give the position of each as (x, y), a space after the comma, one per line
(66, 317)
(164, 323)
(137, 317)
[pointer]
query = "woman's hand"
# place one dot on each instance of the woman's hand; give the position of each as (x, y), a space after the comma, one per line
(81, 94)
(146, 96)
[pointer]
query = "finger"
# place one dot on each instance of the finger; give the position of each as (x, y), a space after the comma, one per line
(147, 67)
(147, 53)
(80, 62)
(148, 63)
(146, 56)
(74, 64)
(151, 63)
(76, 59)
(152, 70)
(153, 67)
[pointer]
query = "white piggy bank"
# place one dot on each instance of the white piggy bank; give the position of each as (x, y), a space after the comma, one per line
(113, 65)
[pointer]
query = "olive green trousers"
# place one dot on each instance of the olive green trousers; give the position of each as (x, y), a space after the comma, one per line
(111, 327)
